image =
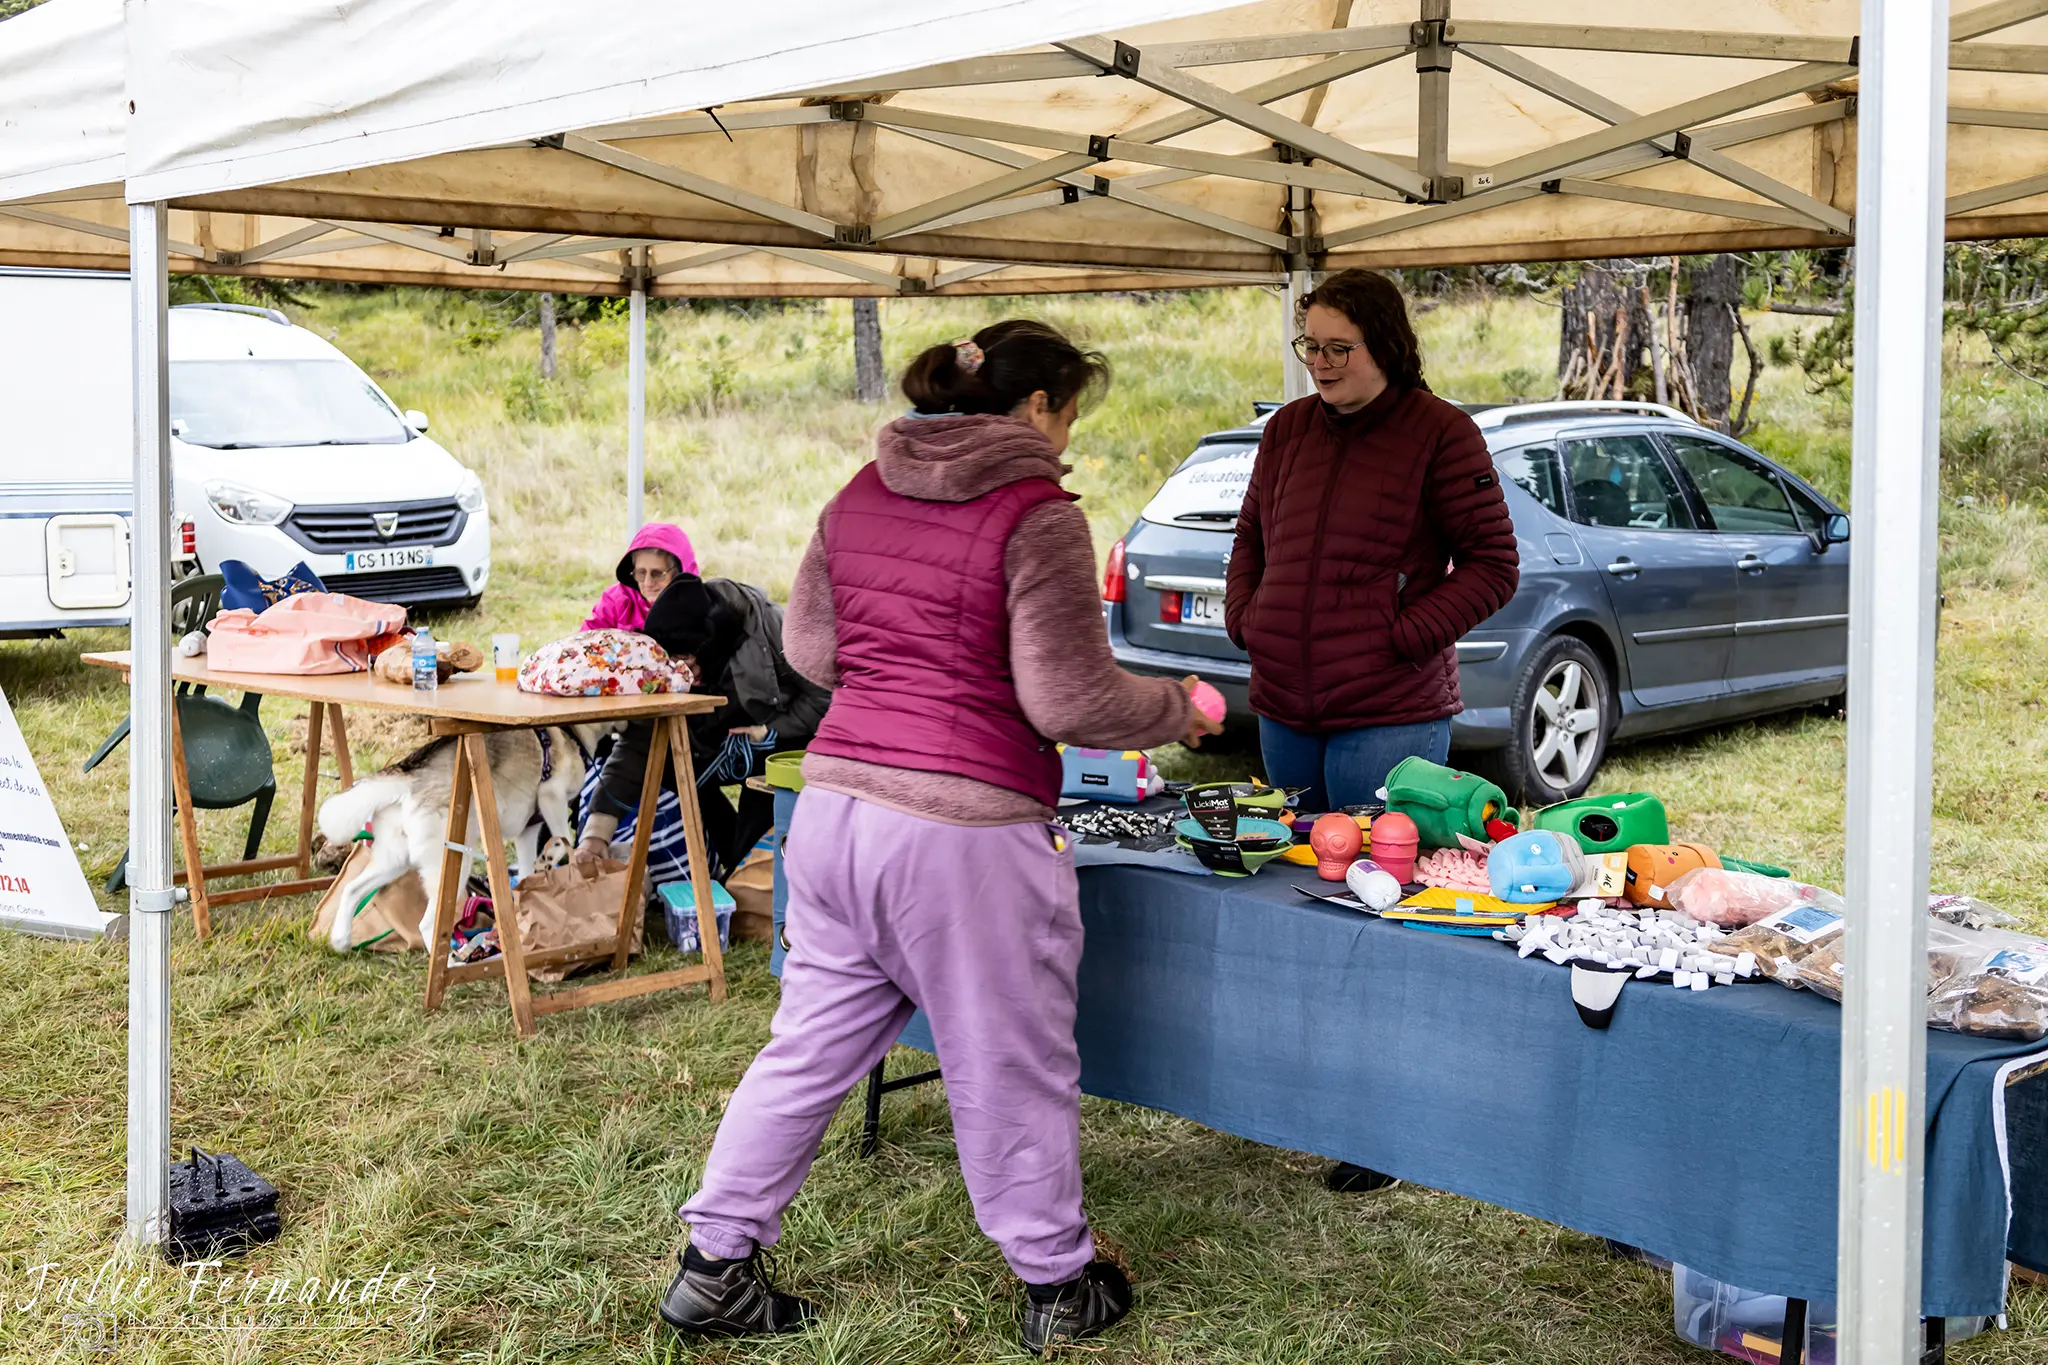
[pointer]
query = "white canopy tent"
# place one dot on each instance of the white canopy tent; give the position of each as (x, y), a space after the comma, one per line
(1269, 138)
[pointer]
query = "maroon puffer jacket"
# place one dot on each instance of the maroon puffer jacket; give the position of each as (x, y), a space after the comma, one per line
(1367, 544)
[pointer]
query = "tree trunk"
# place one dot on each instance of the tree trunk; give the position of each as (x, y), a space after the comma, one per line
(1711, 297)
(1603, 346)
(547, 336)
(868, 384)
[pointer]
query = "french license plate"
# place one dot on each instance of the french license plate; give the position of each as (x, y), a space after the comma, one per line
(366, 561)
(1201, 609)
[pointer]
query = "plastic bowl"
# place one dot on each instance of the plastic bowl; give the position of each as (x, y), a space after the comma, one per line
(1258, 842)
(786, 770)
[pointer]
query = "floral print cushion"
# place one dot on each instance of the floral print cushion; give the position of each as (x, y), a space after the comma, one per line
(603, 663)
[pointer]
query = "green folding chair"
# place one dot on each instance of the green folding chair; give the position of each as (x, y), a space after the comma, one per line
(227, 754)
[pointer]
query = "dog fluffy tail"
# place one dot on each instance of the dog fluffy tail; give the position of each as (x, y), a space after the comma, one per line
(343, 815)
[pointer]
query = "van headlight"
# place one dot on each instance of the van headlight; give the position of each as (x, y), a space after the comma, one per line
(246, 506)
(470, 496)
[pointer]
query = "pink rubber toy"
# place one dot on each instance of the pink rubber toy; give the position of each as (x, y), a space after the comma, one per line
(1394, 841)
(1336, 840)
(1208, 701)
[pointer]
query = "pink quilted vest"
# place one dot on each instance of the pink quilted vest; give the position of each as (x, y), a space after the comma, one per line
(922, 613)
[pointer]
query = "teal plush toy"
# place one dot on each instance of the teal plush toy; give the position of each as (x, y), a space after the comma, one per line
(1609, 824)
(1445, 803)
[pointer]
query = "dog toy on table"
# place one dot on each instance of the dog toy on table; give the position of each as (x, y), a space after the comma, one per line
(1455, 869)
(1535, 866)
(1653, 868)
(1336, 841)
(1393, 841)
(1610, 823)
(1445, 803)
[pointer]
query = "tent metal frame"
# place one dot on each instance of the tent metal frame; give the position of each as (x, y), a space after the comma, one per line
(1899, 61)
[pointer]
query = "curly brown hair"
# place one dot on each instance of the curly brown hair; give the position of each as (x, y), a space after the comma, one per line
(1375, 305)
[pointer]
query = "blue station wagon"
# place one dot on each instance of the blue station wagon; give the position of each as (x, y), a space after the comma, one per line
(1671, 578)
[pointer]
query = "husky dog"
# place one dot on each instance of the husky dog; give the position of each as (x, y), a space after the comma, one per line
(537, 775)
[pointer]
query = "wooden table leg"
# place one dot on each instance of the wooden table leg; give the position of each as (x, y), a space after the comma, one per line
(188, 829)
(643, 835)
(309, 792)
(448, 890)
(700, 856)
(343, 764)
(509, 943)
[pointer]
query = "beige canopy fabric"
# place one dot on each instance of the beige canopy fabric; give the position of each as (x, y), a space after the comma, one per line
(1255, 138)
(1229, 147)
(91, 234)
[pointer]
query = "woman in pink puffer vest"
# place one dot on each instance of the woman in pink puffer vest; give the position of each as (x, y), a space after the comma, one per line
(949, 598)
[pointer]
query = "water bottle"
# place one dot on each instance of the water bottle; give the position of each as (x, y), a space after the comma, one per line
(426, 674)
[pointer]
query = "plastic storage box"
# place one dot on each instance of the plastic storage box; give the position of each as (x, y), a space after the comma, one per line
(1751, 1326)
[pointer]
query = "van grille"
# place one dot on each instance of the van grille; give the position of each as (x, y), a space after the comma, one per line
(331, 530)
(402, 587)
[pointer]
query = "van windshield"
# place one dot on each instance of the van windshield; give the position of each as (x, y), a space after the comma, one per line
(238, 404)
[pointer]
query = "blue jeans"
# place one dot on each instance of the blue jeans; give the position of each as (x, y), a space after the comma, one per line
(1346, 767)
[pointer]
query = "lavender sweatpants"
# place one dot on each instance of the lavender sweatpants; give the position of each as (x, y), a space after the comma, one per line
(981, 928)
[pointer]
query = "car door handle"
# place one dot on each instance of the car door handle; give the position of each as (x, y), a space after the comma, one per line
(1624, 567)
(1751, 564)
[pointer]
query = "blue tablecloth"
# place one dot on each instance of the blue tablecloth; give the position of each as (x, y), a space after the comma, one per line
(1700, 1126)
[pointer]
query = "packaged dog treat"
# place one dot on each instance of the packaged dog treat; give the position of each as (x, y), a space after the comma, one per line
(2000, 990)
(1784, 938)
(1731, 899)
(1969, 912)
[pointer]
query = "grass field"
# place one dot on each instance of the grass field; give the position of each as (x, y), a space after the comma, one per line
(536, 1179)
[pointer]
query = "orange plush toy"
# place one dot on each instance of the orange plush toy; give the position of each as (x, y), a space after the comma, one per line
(1653, 867)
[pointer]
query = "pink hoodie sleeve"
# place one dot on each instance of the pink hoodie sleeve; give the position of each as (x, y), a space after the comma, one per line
(1067, 681)
(614, 610)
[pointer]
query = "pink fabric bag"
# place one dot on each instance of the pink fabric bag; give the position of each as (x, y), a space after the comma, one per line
(308, 633)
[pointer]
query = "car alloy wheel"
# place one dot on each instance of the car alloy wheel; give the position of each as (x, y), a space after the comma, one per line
(1566, 711)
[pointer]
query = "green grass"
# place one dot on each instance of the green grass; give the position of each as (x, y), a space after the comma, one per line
(537, 1179)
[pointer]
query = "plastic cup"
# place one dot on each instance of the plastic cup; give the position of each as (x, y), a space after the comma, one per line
(505, 654)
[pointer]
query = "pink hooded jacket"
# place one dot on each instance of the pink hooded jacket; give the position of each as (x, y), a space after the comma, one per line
(622, 607)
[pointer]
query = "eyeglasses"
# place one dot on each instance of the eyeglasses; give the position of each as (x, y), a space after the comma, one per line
(1336, 353)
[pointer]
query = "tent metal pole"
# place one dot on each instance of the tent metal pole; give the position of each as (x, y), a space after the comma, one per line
(1894, 478)
(1294, 381)
(151, 896)
(636, 401)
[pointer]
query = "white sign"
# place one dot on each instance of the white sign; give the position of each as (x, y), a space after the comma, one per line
(42, 890)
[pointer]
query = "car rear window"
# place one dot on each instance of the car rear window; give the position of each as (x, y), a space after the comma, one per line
(1534, 468)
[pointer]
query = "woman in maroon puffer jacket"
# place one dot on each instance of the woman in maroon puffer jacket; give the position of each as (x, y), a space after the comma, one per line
(1373, 535)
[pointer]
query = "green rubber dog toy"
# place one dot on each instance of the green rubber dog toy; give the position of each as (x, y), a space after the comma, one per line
(1610, 823)
(1445, 803)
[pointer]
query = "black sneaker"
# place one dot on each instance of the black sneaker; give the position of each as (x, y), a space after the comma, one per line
(1093, 1300)
(730, 1299)
(1346, 1178)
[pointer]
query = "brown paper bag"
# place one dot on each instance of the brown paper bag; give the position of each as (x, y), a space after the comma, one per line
(574, 903)
(753, 898)
(390, 923)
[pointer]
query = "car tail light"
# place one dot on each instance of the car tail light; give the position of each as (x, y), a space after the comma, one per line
(188, 539)
(1169, 608)
(1113, 574)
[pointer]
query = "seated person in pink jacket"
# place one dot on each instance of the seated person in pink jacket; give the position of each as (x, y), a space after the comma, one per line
(659, 555)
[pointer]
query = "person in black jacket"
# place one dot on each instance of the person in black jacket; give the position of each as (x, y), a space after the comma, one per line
(733, 633)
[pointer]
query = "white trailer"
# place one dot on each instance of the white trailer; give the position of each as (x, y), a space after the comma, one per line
(66, 452)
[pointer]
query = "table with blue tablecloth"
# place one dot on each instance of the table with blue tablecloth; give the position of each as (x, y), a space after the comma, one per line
(1700, 1126)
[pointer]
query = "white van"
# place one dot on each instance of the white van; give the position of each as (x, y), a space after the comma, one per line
(66, 471)
(285, 452)
(282, 452)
